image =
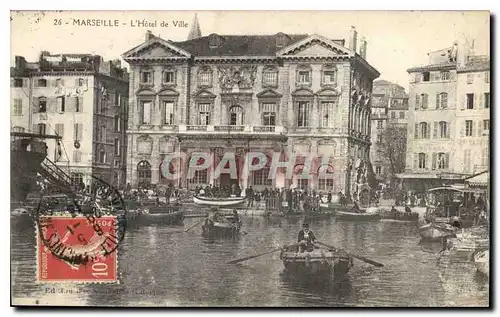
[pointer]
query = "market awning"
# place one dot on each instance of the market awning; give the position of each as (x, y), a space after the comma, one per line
(479, 180)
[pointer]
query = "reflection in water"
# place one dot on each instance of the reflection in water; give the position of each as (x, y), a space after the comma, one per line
(163, 266)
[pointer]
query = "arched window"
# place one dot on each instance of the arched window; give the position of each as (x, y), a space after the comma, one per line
(236, 115)
(270, 77)
(325, 178)
(423, 130)
(144, 172)
(443, 129)
(302, 183)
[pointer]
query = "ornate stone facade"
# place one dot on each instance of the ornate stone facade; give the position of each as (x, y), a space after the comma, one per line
(276, 93)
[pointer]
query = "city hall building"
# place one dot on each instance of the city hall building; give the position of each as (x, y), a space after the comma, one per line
(251, 93)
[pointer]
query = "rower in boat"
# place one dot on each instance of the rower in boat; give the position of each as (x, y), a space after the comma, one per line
(306, 239)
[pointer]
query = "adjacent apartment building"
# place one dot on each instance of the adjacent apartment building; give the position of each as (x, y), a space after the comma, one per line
(81, 98)
(449, 117)
(389, 109)
(241, 93)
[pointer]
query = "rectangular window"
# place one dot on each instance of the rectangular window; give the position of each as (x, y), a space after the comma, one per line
(42, 104)
(330, 77)
(42, 83)
(470, 101)
(468, 127)
(168, 77)
(302, 114)
(102, 136)
(76, 179)
(117, 147)
(200, 177)
(380, 123)
(261, 178)
(270, 78)
(117, 99)
(401, 115)
(487, 76)
(379, 138)
(326, 184)
(441, 100)
(486, 125)
(78, 104)
(77, 156)
(146, 78)
(60, 104)
(18, 107)
(443, 129)
(205, 79)
(204, 113)
(59, 129)
(42, 128)
(18, 82)
(146, 112)
(470, 78)
(421, 160)
(269, 114)
(426, 76)
(327, 113)
(303, 183)
(445, 75)
(117, 124)
(393, 114)
(304, 77)
(378, 170)
(486, 100)
(102, 156)
(78, 131)
(168, 110)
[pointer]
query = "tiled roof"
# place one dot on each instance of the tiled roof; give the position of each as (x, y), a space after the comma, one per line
(476, 63)
(238, 45)
(442, 66)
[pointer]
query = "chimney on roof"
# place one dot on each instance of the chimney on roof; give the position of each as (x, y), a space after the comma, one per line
(353, 38)
(149, 35)
(362, 48)
(195, 31)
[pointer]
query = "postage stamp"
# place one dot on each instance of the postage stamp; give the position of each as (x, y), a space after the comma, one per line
(71, 249)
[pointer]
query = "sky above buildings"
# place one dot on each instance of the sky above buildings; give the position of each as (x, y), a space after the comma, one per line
(397, 40)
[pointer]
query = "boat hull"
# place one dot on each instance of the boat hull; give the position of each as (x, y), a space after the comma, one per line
(433, 231)
(399, 216)
(352, 216)
(218, 229)
(317, 264)
(219, 202)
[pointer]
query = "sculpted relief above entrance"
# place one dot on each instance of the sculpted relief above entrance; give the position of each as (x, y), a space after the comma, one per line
(243, 77)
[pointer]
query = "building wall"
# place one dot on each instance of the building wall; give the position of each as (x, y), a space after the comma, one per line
(20, 120)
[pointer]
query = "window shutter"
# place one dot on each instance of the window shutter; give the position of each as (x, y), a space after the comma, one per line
(51, 104)
(415, 160)
(77, 82)
(476, 101)
(447, 160)
(418, 77)
(437, 101)
(474, 127)
(417, 102)
(25, 82)
(462, 129)
(481, 101)
(35, 128)
(463, 101)
(80, 104)
(12, 82)
(448, 129)
(434, 161)
(444, 100)
(435, 134)
(480, 127)
(425, 100)
(427, 165)
(428, 130)
(416, 130)
(86, 82)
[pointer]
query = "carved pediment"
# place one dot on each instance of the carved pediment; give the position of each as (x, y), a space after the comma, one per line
(155, 48)
(327, 91)
(303, 92)
(204, 94)
(269, 93)
(168, 92)
(314, 46)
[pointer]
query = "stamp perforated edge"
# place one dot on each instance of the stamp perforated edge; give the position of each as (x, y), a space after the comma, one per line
(70, 281)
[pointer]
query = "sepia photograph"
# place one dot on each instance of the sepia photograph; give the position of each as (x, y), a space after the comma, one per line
(250, 159)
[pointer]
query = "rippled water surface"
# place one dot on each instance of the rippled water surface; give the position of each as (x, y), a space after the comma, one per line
(162, 266)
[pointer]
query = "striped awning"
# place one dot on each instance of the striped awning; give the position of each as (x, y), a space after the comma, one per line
(480, 180)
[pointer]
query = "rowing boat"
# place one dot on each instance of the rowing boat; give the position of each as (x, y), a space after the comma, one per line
(436, 231)
(355, 216)
(219, 201)
(220, 228)
(160, 214)
(320, 262)
(482, 261)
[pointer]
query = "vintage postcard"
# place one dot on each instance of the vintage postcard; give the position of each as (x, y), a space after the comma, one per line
(187, 159)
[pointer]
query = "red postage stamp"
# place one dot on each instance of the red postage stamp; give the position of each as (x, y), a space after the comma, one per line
(77, 249)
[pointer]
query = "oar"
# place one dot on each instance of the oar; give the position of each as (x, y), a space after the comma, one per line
(196, 224)
(252, 256)
(354, 255)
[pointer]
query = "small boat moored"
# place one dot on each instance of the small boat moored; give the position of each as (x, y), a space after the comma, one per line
(220, 229)
(436, 231)
(162, 214)
(482, 261)
(219, 201)
(357, 216)
(321, 262)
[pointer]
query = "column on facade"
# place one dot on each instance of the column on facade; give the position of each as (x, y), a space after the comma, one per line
(155, 161)
(156, 112)
(315, 116)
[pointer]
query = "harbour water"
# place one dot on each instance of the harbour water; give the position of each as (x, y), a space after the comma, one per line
(163, 266)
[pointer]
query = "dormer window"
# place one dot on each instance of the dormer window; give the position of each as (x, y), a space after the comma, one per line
(270, 77)
(281, 40)
(214, 40)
